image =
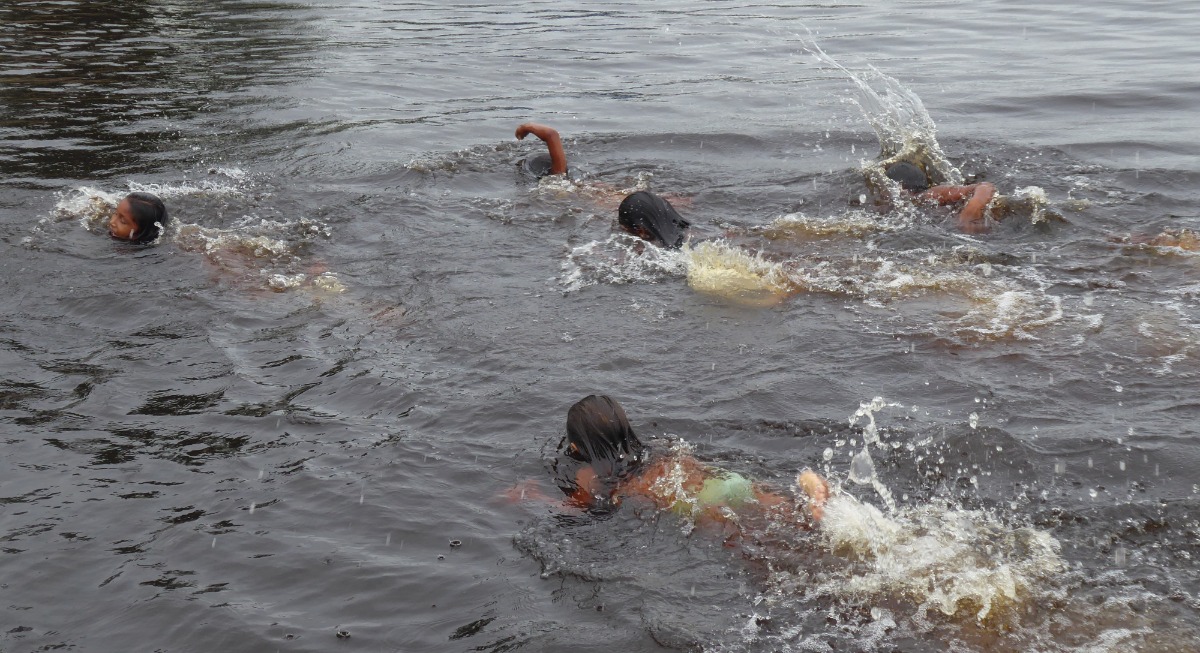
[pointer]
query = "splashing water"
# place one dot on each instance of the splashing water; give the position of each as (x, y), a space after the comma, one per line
(904, 127)
(939, 558)
(935, 557)
(266, 251)
(620, 259)
(862, 465)
(718, 268)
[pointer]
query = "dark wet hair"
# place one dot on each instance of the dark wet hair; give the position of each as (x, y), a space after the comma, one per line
(909, 175)
(652, 218)
(537, 165)
(599, 435)
(149, 213)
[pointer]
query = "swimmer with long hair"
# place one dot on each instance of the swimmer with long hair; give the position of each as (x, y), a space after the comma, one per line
(653, 219)
(915, 182)
(605, 463)
(138, 218)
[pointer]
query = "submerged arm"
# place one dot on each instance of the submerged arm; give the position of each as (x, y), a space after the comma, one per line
(814, 487)
(549, 136)
(970, 219)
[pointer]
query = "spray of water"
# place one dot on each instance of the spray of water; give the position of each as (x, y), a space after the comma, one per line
(935, 556)
(904, 127)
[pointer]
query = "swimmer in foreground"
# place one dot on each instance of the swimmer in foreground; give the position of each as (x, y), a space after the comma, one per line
(139, 218)
(541, 166)
(652, 218)
(606, 463)
(915, 182)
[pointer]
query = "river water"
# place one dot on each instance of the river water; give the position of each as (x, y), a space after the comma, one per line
(364, 325)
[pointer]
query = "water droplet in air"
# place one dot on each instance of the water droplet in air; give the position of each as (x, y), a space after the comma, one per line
(862, 467)
(1122, 465)
(973, 420)
(828, 455)
(1093, 493)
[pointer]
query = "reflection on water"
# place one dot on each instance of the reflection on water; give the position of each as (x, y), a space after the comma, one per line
(94, 89)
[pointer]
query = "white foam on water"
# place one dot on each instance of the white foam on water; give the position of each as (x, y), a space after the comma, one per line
(718, 268)
(989, 306)
(938, 558)
(1038, 200)
(855, 224)
(268, 249)
(619, 259)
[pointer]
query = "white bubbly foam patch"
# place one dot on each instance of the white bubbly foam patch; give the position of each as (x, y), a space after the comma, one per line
(940, 558)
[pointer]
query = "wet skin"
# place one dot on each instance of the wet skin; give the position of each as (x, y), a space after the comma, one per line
(122, 225)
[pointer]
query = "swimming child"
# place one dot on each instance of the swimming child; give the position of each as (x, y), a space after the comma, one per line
(606, 463)
(652, 218)
(915, 182)
(542, 165)
(138, 218)
(641, 213)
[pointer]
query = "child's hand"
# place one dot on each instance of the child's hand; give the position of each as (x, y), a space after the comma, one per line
(817, 491)
(971, 221)
(526, 490)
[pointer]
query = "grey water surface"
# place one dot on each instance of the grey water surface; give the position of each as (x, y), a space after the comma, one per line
(366, 325)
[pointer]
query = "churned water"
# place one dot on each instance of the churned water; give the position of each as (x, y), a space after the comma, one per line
(308, 417)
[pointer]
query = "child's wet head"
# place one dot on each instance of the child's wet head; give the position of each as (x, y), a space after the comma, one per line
(138, 218)
(910, 176)
(599, 436)
(652, 218)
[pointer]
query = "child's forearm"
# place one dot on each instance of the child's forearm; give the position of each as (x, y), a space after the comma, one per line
(971, 219)
(549, 136)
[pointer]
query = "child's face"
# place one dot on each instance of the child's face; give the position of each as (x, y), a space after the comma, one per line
(121, 225)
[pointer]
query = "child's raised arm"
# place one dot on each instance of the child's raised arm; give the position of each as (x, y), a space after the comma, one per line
(549, 136)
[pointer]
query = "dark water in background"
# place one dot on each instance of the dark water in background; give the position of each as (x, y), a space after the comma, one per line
(192, 461)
